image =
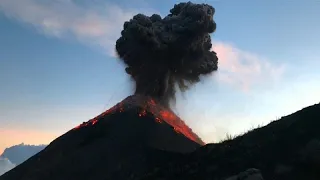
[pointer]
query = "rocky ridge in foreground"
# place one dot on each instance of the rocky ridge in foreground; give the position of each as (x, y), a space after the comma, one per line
(286, 149)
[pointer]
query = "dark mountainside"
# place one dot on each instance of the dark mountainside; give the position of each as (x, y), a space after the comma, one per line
(285, 149)
(19, 153)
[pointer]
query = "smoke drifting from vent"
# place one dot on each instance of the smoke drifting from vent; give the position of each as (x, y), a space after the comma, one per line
(162, 52)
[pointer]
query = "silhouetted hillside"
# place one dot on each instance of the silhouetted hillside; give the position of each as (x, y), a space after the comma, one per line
(19, 153)
(286, 149)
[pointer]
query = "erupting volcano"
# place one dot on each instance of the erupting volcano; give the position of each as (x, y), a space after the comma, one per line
(141, 138)
(159, 54)
(128, 139)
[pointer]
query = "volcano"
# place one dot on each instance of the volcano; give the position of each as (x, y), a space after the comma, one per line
(138, 139)
(125, 141)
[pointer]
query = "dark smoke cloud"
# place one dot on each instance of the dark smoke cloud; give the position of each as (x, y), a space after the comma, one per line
(162, 52)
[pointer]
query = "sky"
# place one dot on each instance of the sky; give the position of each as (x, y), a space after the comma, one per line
(58, 67)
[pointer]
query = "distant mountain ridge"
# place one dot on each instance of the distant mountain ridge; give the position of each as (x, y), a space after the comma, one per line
(5, 165)
(17, 154)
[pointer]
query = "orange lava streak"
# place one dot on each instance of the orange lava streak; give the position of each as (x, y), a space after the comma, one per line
(149, 105)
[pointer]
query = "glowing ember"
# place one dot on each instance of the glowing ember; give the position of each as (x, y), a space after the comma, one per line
(148, 105)
(158, 120)
(94, 121)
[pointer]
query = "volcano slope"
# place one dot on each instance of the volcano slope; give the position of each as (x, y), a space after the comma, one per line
(125, 141)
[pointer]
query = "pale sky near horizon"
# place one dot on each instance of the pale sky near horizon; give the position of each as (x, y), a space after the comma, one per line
(57, 67)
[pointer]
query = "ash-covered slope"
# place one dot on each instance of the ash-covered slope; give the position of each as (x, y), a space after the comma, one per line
(123, 142)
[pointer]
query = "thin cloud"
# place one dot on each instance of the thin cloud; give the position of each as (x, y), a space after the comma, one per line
(97, 24)
(245, 69)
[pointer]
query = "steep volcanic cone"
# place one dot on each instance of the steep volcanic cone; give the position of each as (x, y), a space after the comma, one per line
(127, 140)
(146, 107)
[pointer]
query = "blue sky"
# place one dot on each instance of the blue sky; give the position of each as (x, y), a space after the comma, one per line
(57, 67)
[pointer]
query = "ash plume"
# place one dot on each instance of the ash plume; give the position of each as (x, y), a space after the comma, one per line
(162, 52)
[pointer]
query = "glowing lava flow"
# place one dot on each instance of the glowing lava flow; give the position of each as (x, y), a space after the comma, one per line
(160, 113)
